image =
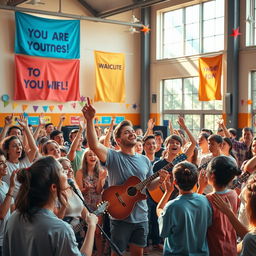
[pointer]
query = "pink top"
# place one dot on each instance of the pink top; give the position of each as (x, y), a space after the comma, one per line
(221, 235)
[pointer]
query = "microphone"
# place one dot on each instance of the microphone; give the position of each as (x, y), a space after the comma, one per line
(71, 183)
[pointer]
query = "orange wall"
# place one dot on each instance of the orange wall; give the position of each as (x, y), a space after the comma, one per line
(54, 118)
(244, 120)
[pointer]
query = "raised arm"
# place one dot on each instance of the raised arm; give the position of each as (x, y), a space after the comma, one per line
(109, 133)
(99, 149)
(170, 127)
(72, 151)
(191, 148)
(223, 126)
(39, 127)
(168, 187)
(151, 124)
(23, 122)
(7, 124)
(61, 121)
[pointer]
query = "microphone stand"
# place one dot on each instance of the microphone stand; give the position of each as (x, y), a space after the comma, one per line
(113, 246)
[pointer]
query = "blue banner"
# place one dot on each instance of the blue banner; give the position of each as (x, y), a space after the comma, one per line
(38, 36)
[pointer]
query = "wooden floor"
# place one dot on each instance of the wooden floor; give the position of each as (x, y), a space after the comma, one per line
(151, 253)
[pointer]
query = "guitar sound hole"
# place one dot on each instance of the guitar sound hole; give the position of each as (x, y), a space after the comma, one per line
(132, 191)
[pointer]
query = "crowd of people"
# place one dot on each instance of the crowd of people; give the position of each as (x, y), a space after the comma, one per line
(201, 192)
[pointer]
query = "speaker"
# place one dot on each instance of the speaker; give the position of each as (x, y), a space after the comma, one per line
(228, 103)
(163, 129)
(67, 129)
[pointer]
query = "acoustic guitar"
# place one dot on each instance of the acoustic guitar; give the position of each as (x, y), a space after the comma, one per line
(101, 208)
(158, 193)
(237, 183)
(122, 198)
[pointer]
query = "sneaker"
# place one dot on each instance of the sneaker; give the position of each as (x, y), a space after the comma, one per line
(158, 247)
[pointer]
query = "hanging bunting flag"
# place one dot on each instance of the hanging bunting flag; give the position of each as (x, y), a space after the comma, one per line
(53, 38)
(127, 105)
(73, 105)
(210, 78)
(24, 107)
(110, 82)
(46, 79)
(6, 103)
(45, 108)
(82, 103)
(82, 98)
(60, 107)
(51, 108)
(14, 105)
(35, 108)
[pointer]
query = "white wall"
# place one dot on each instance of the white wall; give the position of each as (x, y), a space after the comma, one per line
(94, 36)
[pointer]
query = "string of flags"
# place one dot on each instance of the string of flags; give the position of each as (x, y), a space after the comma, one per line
(50, 108)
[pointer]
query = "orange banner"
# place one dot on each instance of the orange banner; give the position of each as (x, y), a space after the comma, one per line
(46, 79)
(210, 78)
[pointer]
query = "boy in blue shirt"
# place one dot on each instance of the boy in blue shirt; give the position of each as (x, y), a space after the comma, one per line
(183, 222)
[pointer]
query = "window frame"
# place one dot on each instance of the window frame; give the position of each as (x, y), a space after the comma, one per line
(161, 40)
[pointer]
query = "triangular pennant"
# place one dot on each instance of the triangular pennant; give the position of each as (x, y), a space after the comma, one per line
(82, 98)
(24, 107)
(60, 107)
(73, 105)
(127, 105)
(51, 108)
(35, 108)
(6, 103)
(45, 108)
(82, 103)
(14, 105)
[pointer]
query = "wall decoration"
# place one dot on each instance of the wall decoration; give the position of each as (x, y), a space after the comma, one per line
(35, 108)
(60, 107)
(46, 79)
(53, 38)
(235, 32)
(110, 82)
(45, 108)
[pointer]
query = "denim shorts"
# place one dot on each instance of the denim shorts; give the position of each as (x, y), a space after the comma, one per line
(124, 233)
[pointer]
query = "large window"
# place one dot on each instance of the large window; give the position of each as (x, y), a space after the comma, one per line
(250, 22)
(193, 30)
(253, 97)
(180, 97)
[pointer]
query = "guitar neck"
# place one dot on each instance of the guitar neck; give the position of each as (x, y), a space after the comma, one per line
(240, 180)
(144, 183)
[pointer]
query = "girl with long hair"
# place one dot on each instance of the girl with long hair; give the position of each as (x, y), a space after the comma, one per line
(33, 229)
(90, 180)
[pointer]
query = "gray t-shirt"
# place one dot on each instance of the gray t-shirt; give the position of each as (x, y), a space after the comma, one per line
(249, 244)
(46, 235)
(11, 167)
(3, 190)
(121, 167)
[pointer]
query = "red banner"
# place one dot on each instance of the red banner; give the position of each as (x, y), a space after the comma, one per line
(46, 79)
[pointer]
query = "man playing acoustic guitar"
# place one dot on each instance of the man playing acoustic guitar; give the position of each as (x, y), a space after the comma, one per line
(121, 166)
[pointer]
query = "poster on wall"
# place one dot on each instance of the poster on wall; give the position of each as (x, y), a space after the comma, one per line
(110, 81)
(210, 69)
(46, 79)
(38, 36)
